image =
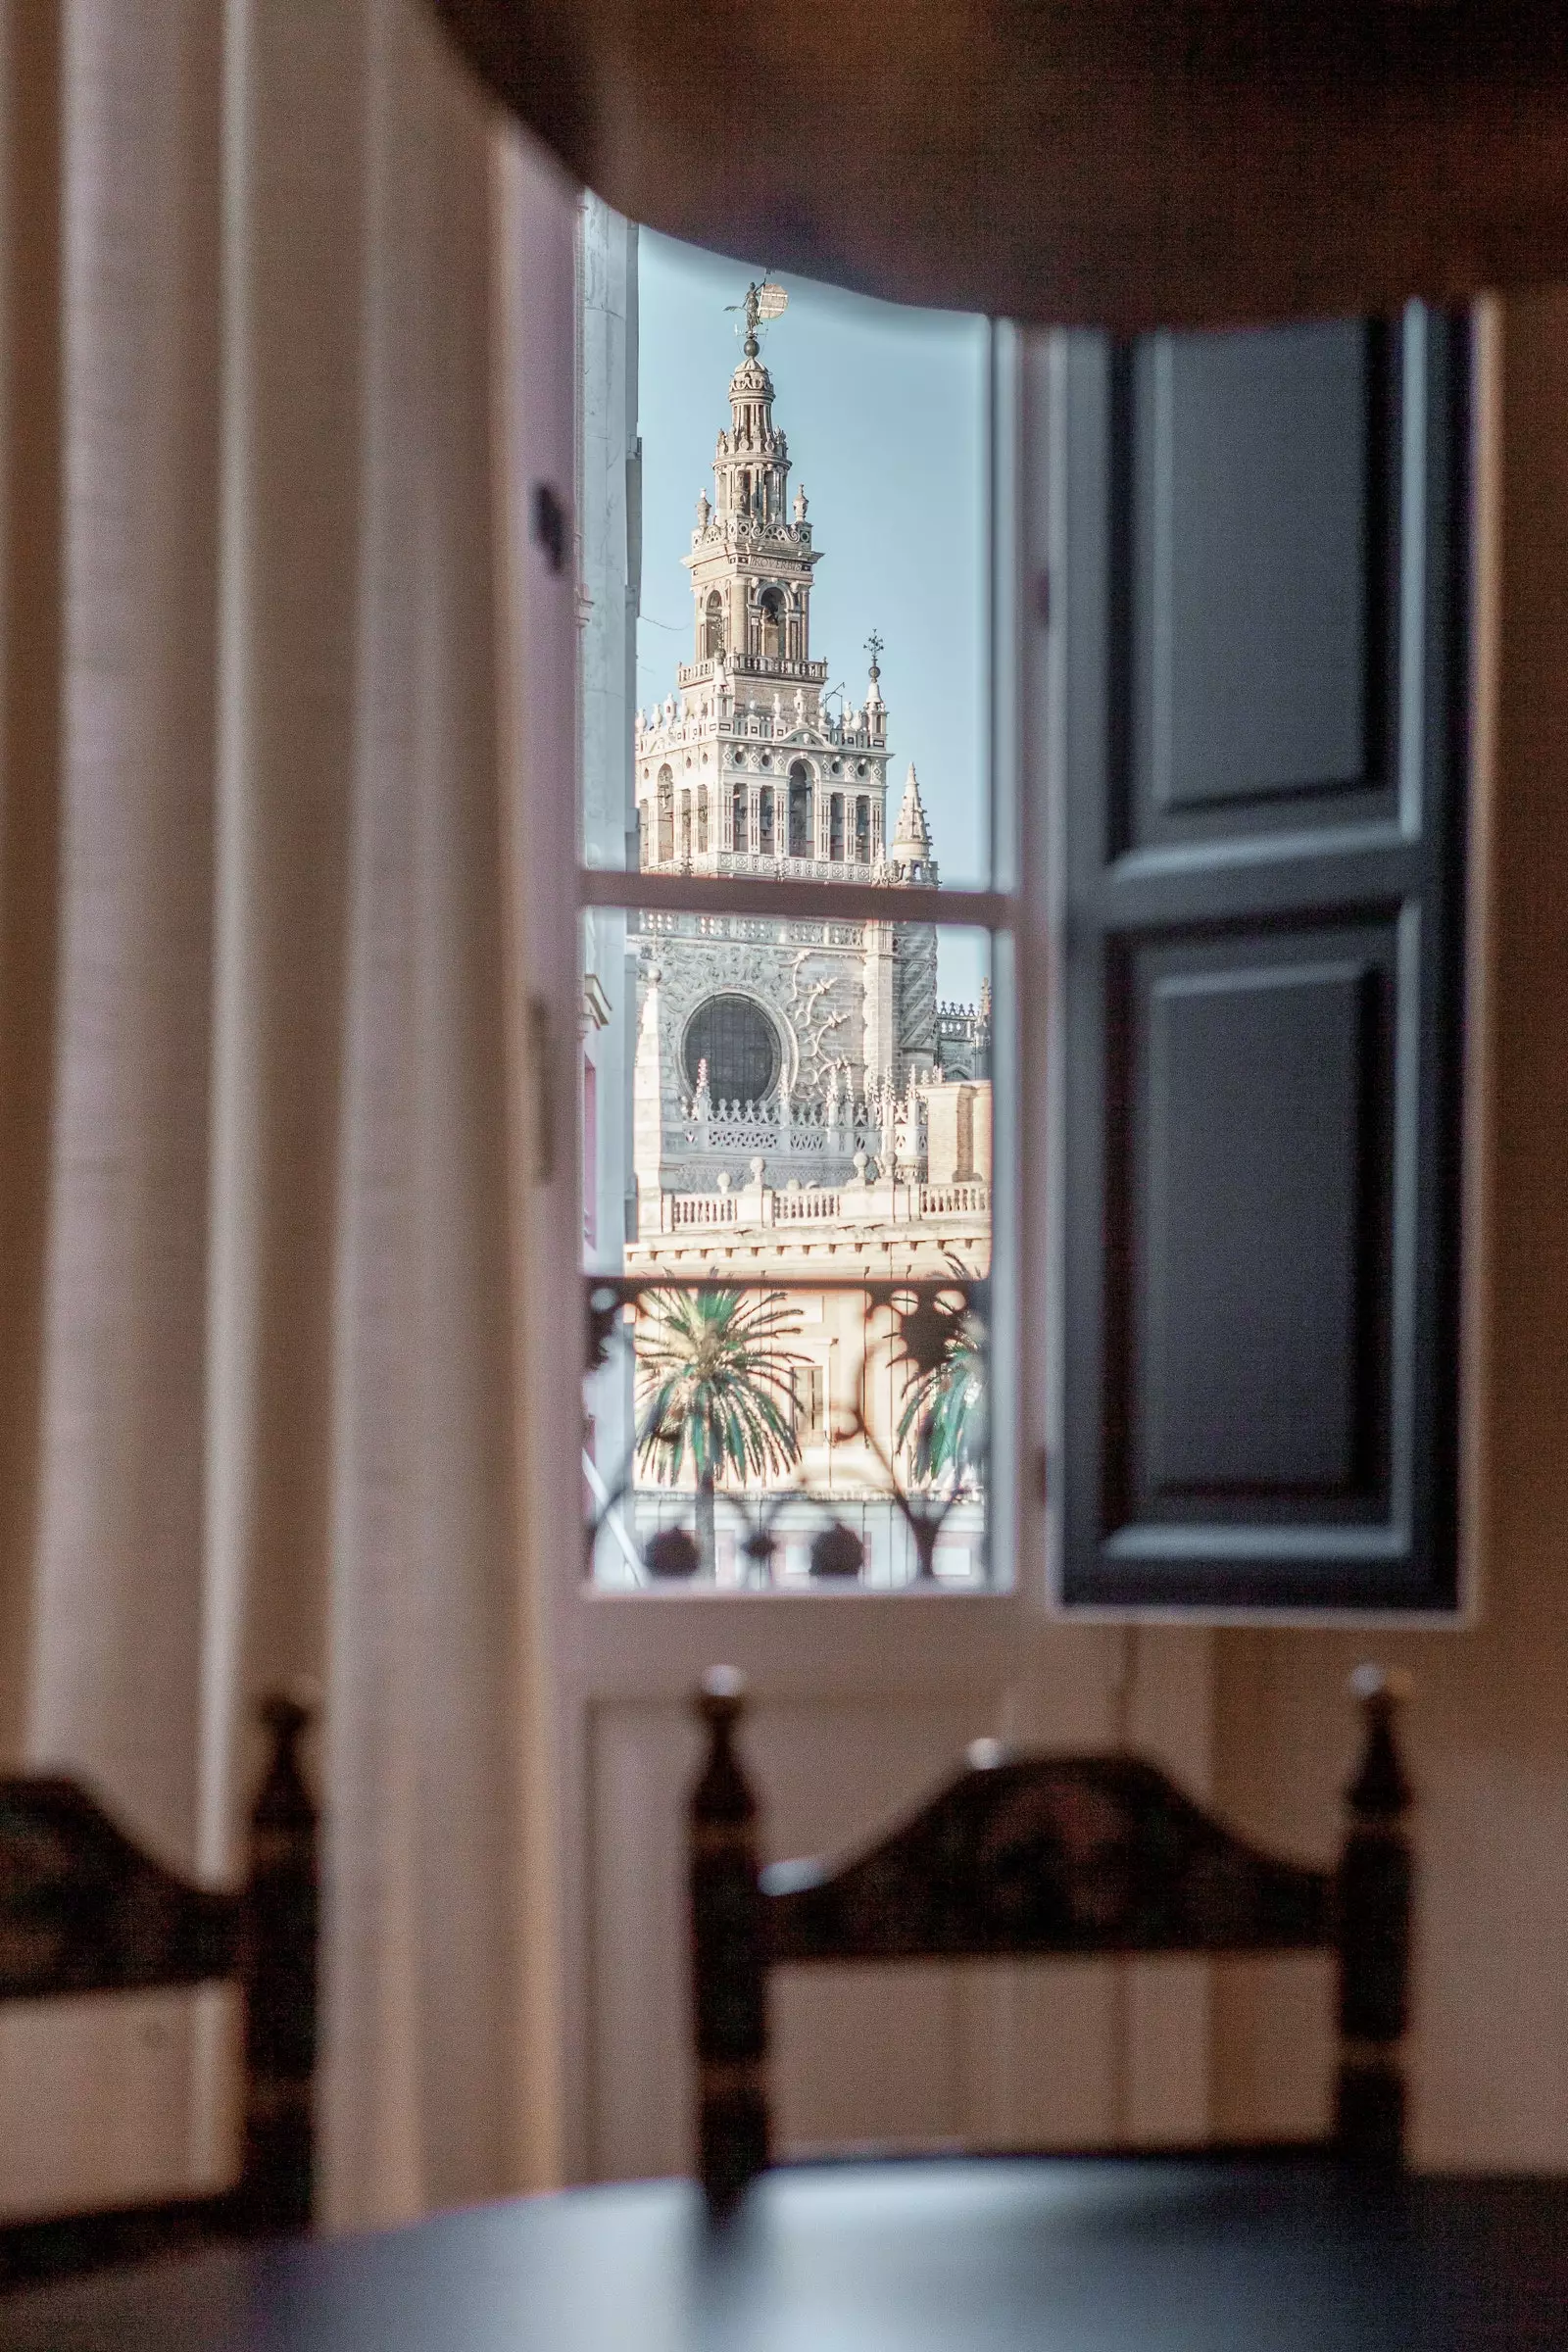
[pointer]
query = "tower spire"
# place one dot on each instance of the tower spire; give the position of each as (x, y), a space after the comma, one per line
(751, 552)
(911, 839)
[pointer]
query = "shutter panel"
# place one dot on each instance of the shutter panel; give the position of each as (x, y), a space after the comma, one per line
(1260, 541)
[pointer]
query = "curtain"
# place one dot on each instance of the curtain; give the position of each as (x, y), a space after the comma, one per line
(261, 1140)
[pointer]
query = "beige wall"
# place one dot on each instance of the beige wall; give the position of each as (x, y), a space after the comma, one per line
(1488, 1723)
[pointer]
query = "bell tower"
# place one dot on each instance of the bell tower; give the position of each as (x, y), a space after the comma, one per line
(752, 555)
(744, 769)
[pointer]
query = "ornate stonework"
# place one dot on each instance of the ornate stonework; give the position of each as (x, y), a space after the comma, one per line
(746, 771)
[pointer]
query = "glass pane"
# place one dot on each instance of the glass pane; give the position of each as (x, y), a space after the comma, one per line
(785, 1214)
(785, 1118)
(815, 1432)
(783, 534)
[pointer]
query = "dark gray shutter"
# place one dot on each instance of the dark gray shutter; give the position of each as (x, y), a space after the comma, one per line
(1262, 563)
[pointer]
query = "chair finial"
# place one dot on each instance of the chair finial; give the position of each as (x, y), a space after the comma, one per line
(1380, 1790)
(1373, 1899)
(722, 1694)
(728, 1988)
(722, 1793)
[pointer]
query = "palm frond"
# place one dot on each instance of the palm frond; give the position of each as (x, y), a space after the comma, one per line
(715, 1384)
(944, 1407)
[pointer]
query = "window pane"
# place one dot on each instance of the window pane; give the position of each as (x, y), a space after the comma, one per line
(753, 1434)
(787, 1259)
(783, 537)
(785, 1118)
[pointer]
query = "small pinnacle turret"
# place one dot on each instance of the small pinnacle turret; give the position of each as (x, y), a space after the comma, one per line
(911, 840)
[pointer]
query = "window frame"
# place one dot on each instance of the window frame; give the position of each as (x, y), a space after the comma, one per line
(1017, 1521)
(1020, 911)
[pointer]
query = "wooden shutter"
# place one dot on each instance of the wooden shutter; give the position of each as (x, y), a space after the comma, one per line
(1260, 558)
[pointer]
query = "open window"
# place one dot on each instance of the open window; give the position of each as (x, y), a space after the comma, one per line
(790, 1278)
(1047, 1122)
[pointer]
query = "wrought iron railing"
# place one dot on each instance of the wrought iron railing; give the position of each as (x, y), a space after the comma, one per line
(804, 1432)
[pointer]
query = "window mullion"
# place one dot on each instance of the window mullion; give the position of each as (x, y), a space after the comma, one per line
(831, 901)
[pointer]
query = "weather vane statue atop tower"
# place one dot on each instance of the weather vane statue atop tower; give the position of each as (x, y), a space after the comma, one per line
(765, 301)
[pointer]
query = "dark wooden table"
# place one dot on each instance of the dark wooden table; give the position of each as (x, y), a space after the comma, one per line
(1044, 2255)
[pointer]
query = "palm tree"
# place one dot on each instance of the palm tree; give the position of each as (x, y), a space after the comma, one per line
(716, 1388)
(945, 1406)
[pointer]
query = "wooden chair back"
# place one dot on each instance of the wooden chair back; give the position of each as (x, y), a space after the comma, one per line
(1033, 1854)
(83, 1909)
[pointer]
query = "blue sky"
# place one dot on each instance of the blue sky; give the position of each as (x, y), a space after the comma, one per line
(884, 409)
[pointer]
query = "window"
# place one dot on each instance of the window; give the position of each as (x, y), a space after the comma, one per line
(1198, 1022)
(792, 1330)
(800, 809)
(810, 1417)
(731, 1041)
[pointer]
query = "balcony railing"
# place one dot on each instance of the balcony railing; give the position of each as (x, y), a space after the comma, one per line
(754, 666)
(882, 1201)
(801, 1433)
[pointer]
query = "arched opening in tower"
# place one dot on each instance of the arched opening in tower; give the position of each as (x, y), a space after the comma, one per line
(667, 815)
(713, 625)
(835, 835)
(772, 607)
(764, 822)
(800, 810)
(738, 818)
(863, 830)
